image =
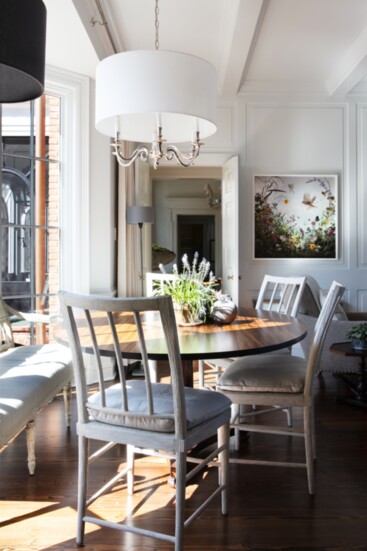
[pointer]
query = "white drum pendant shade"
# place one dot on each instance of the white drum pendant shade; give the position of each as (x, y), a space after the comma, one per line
(137, 91)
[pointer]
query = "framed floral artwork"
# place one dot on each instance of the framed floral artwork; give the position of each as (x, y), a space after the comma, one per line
(295, 216)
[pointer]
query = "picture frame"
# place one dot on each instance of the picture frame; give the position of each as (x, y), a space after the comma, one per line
(295, 216)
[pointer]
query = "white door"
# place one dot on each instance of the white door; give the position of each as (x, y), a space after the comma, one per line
(230, 273)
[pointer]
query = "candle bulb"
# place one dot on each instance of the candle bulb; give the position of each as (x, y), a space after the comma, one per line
(117, 128)
(158, 121)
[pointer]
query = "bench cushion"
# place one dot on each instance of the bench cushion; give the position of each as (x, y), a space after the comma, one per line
(30, 376)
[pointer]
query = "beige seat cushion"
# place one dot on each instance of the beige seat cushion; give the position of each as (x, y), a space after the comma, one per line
(265, 374)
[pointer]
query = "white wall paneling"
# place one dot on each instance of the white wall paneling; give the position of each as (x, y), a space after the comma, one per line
(224, 139)
(362, 300)
(310, 137)
(361, 205)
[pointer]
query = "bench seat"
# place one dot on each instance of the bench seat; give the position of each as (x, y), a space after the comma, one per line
(30, 377)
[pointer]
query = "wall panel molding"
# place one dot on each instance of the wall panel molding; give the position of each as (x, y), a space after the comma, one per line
(362, 184)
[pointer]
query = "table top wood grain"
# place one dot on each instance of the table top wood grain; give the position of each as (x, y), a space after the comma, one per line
(253, 332)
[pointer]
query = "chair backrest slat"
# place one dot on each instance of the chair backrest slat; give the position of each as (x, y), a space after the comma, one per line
(334, 295)
(119, 361)
(144, 357)
(97, 357)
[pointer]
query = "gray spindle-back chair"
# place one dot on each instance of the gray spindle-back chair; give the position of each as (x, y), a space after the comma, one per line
(277, 293)
(151, 417)
(284, 380)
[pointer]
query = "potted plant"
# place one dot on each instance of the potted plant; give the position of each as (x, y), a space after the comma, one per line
(358, 335)
(193, 297)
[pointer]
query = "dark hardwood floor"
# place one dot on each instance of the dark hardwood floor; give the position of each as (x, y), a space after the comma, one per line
(269, 507)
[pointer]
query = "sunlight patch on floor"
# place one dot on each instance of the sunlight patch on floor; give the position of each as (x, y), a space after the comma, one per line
(37, 523)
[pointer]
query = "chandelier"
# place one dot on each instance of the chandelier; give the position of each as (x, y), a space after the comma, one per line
(157, 97)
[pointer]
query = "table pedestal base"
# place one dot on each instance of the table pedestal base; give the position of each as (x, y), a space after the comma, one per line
(357, 385)
(356, 382)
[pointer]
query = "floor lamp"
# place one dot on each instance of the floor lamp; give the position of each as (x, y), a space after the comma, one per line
(140, 215)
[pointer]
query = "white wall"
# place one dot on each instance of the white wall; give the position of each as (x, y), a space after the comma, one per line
(309, 136)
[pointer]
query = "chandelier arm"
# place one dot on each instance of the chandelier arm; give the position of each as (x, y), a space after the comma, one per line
(140, 152)
(184, 159)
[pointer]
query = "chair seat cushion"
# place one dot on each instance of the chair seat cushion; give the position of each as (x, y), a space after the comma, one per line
(265, 373)
(201, 406)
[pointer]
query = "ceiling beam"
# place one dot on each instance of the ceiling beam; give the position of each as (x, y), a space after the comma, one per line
(242, 23)
(98, 23)
(351, 69)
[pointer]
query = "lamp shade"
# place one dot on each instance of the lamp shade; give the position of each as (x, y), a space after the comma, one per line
(22, 50)
(137, 91)
(139, 215)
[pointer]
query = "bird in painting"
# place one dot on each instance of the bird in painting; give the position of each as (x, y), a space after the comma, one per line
(308, 200)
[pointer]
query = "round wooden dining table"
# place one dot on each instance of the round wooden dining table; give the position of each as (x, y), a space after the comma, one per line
(253, 332)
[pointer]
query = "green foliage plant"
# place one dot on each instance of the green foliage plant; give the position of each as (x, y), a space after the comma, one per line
(358, 332)
(192, 290)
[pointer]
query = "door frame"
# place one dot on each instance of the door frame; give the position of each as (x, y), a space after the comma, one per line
(182, 206)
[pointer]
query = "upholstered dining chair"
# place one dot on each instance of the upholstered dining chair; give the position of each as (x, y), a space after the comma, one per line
(153, 418)
(279, 294)
(284, 380)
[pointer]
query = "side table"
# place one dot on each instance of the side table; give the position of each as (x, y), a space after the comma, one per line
(356, 383)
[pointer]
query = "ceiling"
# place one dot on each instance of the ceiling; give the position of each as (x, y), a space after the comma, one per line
(276, 46)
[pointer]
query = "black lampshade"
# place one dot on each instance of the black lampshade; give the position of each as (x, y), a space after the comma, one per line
(22, 50)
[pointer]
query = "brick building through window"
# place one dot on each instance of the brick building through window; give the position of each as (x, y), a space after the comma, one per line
(30, 209)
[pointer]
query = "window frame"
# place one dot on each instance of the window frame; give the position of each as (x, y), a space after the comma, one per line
(74, 92)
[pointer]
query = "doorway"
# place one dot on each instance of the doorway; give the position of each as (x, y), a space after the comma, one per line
(196, 233)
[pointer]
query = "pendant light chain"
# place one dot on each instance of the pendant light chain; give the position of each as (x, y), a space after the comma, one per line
(156, 43)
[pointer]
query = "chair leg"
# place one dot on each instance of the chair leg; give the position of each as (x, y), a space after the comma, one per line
(223, 458)
(67, 403)
(130, 452)
(307, 420)
(289, 416)
(180, 499)
(83, 447)
(153, 370)
(313, 427)
(31, 446)
(201, 373)
(235, 417)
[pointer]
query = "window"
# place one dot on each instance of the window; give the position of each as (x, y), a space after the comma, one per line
(30, 169)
